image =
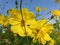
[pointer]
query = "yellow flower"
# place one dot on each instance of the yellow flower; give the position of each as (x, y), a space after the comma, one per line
(43, 31)
(55, 12)
(4, 20)
(44, 9)
(37, 9)
(18, 24)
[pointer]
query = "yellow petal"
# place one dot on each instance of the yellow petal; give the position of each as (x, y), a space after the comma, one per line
(29, 32)
(12, 21)
(37, 9)
(1, 19)
(27, 15)
(41, 22)
(34, 40)
(47, 37)
(18, 29)
(43, 41)
(47, 28)
(31, 24)
(15, 13)
(4, 20)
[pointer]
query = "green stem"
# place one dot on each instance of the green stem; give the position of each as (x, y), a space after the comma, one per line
(23, 20)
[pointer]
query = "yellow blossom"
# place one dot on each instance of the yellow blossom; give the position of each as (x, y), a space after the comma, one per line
(37, 9)
(4, 20)
(55, 12)
(43, 31)
(39, 30)
(44, 9)
(19, 25)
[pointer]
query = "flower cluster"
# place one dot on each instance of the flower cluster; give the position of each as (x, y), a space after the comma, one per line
(24, 24)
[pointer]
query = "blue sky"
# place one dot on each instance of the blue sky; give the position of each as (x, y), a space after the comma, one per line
(49, 4)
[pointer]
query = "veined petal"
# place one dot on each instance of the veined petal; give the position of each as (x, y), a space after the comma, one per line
(14, 22)
(43, 41)
(47, 37)
(1, 19)
(29, 32)
(15, 13)
(18, 29)
(47, 28)
(4, 20)
(31, 24)
(41, 22)
(29, 16)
